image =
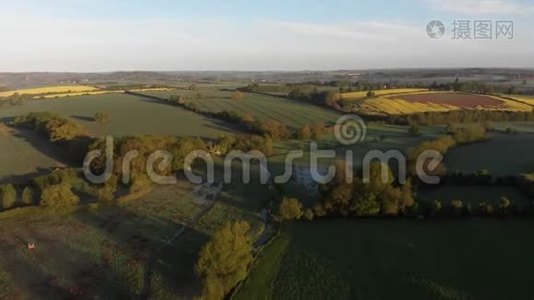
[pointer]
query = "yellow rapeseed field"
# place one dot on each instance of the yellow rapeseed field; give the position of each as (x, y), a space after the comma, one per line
(50, 89)
(363, 94)
(62, 91)
(62, 95)
(529, 100)
(395, 106)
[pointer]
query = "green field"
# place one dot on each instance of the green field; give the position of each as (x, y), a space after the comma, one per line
(262, 107)
(502, 154)
(25, 152)
(396, 259)
(130, 115)
(104, 253)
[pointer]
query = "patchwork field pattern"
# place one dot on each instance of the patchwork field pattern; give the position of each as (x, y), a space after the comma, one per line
(439, 102)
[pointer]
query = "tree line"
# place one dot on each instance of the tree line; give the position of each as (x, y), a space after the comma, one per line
(58, 130)
(57, 192)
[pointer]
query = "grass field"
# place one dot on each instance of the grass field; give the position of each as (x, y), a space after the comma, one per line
(502, 154)
(130, 115)
(25, 152)
(395, 259)
(105, 253)
(262, 107)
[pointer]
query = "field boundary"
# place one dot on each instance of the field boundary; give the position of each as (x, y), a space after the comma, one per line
(257, 253)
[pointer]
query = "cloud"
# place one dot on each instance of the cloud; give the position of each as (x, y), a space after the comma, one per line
(481, 7)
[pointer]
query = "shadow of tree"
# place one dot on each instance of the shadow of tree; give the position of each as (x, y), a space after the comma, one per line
(172, 264)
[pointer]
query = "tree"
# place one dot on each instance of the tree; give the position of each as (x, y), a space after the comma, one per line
(504, 205)
(366, 205)
(192, 87)
(9, 196)
(67, 131)
(407, 195)
(274, 128)
(414, 129)
(237, 95)
(102, 117)
(247, 118)
(224, 260)
(457, 206)
(290, 208)
(141, 182)
(451, 128)
(308, 214)
(59, 198)
(377, 182)
(370, 94)
(27, 196)
(304, 132)
(332, 98)
(435, 208)
(107, 191)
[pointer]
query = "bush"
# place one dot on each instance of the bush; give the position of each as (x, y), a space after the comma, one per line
(28, 196)
(224, 260)
(59, 198)
(414, 129)
(101, 117)
(237, 95)
(457, 207)
(9, 196)
(308, 214)
(290, 208)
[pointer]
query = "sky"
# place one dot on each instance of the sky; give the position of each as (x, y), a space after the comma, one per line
(165, 35)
